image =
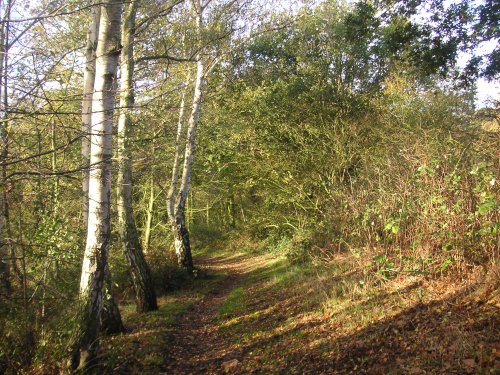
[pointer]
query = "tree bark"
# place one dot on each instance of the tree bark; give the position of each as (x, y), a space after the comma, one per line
(88, 90)
(182, 243)
(179, 229)
(111, 320)
(141, 274)
(149, 217)
(85, 342)
(4, 249)
(171, 195)
(177, 221)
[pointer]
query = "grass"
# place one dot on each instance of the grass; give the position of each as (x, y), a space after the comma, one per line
(233, 303)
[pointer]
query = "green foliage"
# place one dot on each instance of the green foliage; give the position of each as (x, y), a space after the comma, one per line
(335, 156)
(384, 267)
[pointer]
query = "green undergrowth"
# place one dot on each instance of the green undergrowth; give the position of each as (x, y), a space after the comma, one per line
(233, 302)
(141, 349)
(223, 251)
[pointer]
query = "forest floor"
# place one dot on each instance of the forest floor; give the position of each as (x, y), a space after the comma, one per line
(264, 315)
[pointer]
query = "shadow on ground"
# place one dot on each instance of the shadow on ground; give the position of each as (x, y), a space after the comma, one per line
(262, 315)
(290, 324)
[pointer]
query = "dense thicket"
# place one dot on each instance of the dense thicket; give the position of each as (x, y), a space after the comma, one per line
(343, 128)
(326, 141)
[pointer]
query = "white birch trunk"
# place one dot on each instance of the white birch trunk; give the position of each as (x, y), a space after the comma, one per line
(171, 195)
(88, 91)
(110, 319)
(139, 269)
(149, 217)
(180, 232)
(85, 340)
(4, 49)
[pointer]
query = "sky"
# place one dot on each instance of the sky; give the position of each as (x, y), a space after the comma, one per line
(487, 91)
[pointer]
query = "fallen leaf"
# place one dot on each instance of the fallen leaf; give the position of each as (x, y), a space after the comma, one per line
(469, 363)
(415, 371)
(231, 365)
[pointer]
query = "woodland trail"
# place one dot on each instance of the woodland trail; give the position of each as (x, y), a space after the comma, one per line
(197, 345)
(262, 315)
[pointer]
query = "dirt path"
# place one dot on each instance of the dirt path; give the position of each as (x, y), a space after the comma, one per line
(197, 346)
(275, 320)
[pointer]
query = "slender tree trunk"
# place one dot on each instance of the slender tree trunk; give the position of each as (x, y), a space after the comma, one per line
(232, 212)
(149, 217)
(55, 188)
(84, 343)
(177, 155)
(141, 274)
(4, 49)
(179, 229)
(88, 91)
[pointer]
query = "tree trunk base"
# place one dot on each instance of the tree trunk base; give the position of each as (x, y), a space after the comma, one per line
(183, 247)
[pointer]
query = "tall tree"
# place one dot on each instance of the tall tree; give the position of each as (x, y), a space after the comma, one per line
(4, 49)
(206, 52)
(174, 182)
(84, 343)
(88, 91)
(179, 228)
(141, 274)
(111, 319)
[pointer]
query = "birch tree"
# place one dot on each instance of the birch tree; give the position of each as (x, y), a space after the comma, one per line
(111, 320)
(88, 91)
(4, 49)
(222, 15)
(141, 274)
(177, 213)
(84, 343)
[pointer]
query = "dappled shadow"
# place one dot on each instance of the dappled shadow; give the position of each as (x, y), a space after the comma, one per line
(436, 337)
(195, 344)
(291, 320)
(281, 331)
(165, 341)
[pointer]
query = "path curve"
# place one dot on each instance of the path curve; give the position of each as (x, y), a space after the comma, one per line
(197, 347)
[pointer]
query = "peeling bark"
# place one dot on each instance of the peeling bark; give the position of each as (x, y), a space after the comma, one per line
(180, 231)
(141, 275)
(84, 343)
